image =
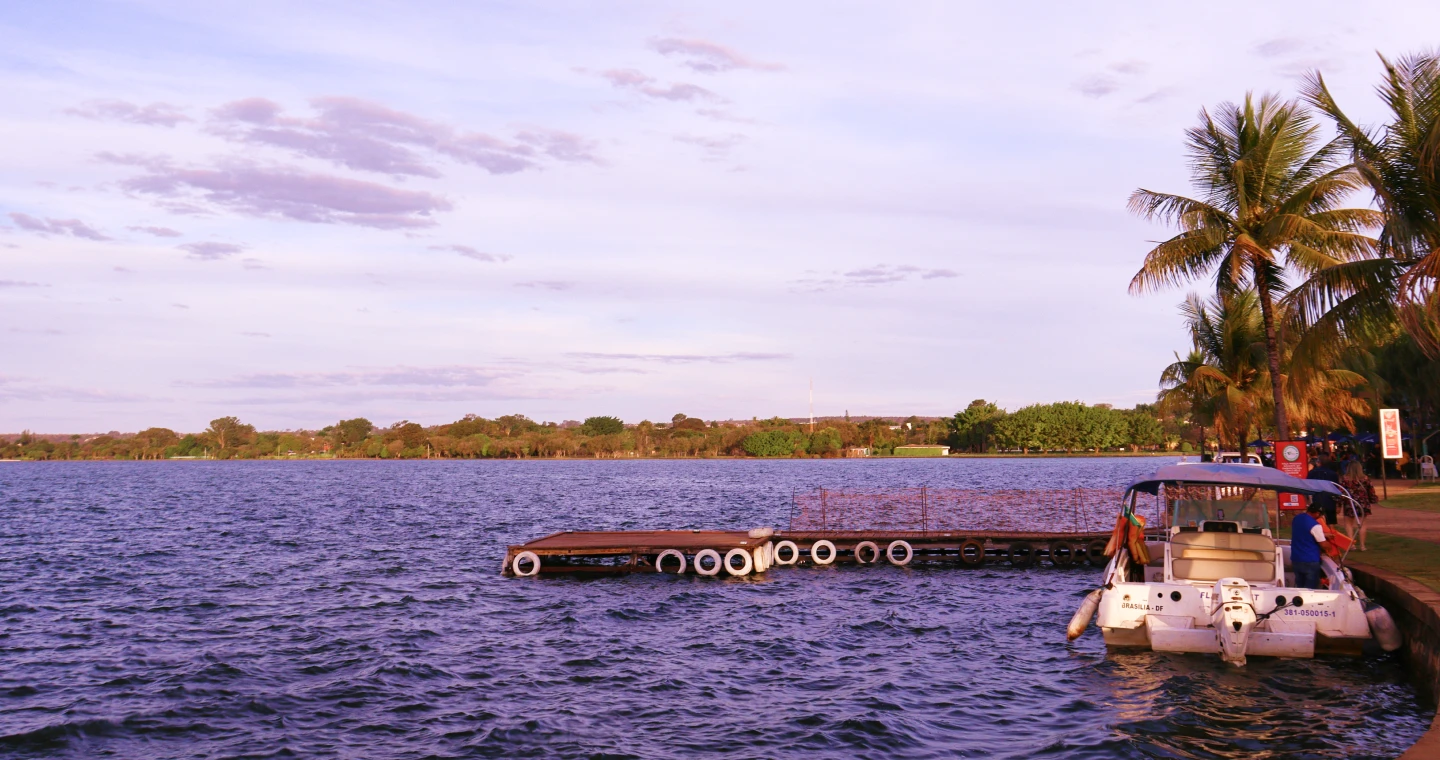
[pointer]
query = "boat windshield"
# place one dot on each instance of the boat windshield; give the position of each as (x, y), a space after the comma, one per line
(1220, 508)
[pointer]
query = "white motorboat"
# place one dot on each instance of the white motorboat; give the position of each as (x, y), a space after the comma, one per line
(1217, 578)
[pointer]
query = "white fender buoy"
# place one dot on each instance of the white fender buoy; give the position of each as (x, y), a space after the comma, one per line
(1383, 627)
(787, 546)
(715, 562)
(823, 545)
(744, 569)
(677, 554)
(874, 552)
(526, 556)
(760, 564)
(769, 554)
(890, 553)
(1081, 621)
(761, 532)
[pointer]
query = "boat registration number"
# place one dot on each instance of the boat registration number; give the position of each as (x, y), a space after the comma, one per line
(1309, 613)
(1134, 606)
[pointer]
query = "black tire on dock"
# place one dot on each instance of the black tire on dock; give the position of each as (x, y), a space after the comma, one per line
(1062, 553)
(972, 552)
(1021, 554)
(1095, 553)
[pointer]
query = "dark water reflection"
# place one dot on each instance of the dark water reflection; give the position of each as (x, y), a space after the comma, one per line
(354, 609)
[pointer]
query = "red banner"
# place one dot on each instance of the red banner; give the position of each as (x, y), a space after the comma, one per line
(1293, 459)
(1390, 433)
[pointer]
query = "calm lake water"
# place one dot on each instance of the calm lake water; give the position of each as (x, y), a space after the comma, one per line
(355, 609)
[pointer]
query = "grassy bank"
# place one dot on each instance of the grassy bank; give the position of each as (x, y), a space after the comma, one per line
(1410, 557)
(1424, 497)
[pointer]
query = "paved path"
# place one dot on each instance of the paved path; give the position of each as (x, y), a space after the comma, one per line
(1411, 523)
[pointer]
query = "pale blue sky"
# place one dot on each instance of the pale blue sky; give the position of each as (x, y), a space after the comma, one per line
(418, 210)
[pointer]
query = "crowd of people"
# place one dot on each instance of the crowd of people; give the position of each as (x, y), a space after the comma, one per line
(1345, 467)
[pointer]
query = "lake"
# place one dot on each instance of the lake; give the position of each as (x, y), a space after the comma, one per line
(355, 609)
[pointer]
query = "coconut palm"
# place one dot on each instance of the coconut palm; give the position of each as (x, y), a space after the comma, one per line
(1224, 376)
(1400, 162)
(1270, 196)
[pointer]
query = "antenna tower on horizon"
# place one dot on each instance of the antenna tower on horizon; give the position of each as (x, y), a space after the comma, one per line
(812, 406)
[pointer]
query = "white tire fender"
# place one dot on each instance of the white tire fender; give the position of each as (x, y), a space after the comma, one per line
(828, 547)
(715, 562)
(526, 556)
(677, 554)
(787, 546)
(745, 568)
(902, 545)
(874, 552)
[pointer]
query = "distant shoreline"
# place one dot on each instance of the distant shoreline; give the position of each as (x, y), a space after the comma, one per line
(1076, 455)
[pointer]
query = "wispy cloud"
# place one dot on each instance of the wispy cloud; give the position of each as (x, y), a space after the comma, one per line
(251, 189)
(742, 356)
(20, 284)
(449, 376)
(156, 231)
(708, 57)
(546, 284)
(880, 274)
(715, 147)
(211, 251)
(367, 136)
(1097, 86)
(154, 114)
(631, 79)
(31, 389)
(471, 253)
(1279, 46)
(71, 227)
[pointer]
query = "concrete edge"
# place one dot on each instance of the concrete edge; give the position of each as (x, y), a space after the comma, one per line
(1416, 609)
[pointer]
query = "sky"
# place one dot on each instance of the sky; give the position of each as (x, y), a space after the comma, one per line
(296, 213)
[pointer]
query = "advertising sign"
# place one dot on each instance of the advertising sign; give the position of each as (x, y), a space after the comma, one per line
(1292, 458)
(1390, 433)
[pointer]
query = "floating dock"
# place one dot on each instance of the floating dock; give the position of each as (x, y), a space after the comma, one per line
(741, 553)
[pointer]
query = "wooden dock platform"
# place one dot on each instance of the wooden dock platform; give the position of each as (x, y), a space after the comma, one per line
(739, 553)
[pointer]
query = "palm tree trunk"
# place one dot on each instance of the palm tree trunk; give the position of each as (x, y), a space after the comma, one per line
(1272, 352)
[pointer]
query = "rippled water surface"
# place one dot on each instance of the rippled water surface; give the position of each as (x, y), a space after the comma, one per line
(355, 609)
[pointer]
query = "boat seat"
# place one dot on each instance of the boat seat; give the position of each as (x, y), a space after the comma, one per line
(1211, 556)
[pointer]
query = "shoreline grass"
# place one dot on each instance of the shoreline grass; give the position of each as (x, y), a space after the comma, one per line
(1411, 557)
(1424, 497)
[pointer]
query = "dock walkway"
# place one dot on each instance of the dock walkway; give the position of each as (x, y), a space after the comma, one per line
(739, 553)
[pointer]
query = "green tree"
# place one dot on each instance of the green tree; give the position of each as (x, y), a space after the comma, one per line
(602, 426)
(1270, 195)
(229, 433)
(152, 442)
(773, 443)
(1400, 162)
(826, 442)
(974, 428)
(353, 432)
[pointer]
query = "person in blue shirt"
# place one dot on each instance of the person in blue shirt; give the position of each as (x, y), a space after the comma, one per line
(1306, 538)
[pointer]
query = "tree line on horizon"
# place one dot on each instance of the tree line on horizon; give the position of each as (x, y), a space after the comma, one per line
(983, 427)
(1319, 312)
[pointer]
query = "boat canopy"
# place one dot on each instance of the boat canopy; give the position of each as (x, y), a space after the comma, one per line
(1208, 474)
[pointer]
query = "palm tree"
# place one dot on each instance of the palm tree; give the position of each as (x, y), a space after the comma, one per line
(1400, 162)
(1270, 197)
(1224, 376)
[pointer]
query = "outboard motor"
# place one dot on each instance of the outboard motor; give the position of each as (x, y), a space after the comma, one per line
(1233, 617)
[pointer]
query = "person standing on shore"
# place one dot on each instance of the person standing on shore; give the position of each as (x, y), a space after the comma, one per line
(1362, 490)
(1306, 540)
(1324, 469)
